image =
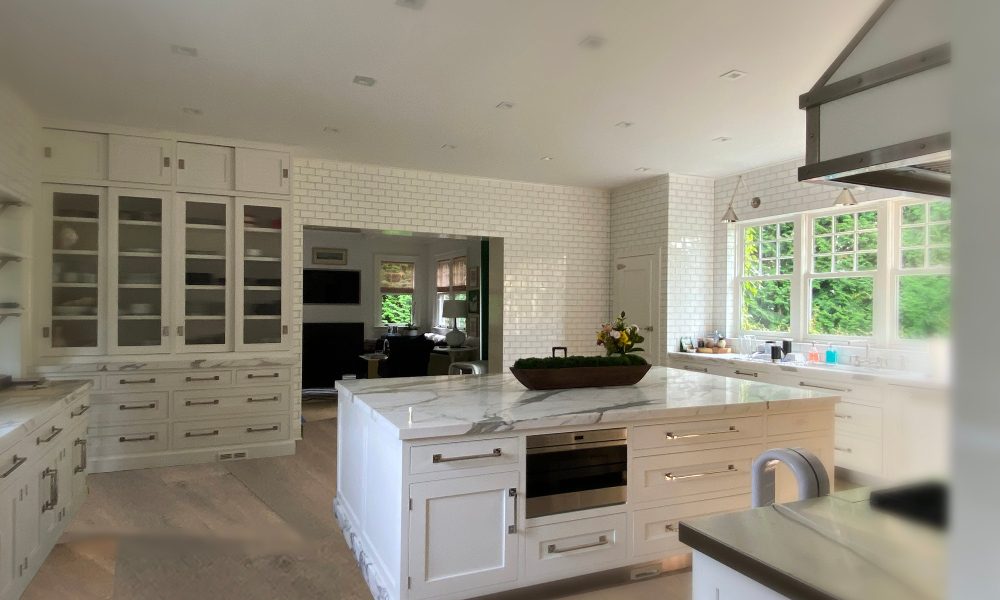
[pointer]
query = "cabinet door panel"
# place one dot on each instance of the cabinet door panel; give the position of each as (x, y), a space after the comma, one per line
(8, 558)
(140, 159)
(263, 171)
(73, 155)
(204, 267)
(205, 166)
(262, 274)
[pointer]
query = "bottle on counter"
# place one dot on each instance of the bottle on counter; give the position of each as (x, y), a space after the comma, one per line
(813, 357)
(831, 354)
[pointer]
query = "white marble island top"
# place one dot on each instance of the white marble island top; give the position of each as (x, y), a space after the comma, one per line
(23, 410)
(430, 407)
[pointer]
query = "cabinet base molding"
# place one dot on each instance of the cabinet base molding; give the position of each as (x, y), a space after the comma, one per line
(189, 457)
(362, 555)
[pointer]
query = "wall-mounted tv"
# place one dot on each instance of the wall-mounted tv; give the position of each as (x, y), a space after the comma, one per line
(329, 286)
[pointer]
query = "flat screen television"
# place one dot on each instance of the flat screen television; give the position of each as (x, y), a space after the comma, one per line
(329, 286)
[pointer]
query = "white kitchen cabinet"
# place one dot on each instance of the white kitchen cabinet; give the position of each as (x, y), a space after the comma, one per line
(262, 304)
(922, 432)
(205, 234)
(26, 539)
(8, 563)
(265, 171)
(140, 159)
(205, 166)
(713, 580)
(73, 155)
(463, 534)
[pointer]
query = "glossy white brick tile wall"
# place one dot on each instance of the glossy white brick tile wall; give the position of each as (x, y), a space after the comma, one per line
(690, 270)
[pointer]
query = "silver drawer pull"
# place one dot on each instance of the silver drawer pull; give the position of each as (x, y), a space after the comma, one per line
(670, 527)
(256, 376)
(53, 500)
(601, 541)
(839, 416)
(437, 458)
(82, 443)
(823, 387)
(18, 461)
(83, 408)
(261, 429)
(747, 373)
(135, 381)
(201, 402)
(680, 436)
(268, 399)
(145, 438)
(52, 435)
(138, 407)
(697, 369)
(840, 449)
(212, 378)
(669, 476)
(190, 434)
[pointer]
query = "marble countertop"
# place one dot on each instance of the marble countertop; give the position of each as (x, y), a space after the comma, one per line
(167, 363)
(428, 407)
(825, 548)
(23, 410)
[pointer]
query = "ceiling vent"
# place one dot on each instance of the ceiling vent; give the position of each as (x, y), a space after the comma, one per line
(414, 4)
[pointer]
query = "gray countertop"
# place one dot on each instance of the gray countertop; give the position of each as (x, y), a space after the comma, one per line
(825, 548)
(23, 410)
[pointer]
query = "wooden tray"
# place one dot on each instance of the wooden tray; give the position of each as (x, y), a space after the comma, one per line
(580, 377)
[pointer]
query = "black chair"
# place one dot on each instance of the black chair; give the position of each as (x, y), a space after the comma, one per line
(408, 356)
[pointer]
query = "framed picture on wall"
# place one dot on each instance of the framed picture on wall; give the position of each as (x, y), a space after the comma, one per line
(329, 256)
(472, 326)
(473, 278)
(473, 302)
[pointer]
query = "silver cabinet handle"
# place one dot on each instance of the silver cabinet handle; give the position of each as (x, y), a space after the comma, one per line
(823, 387)
(82, 443)
(52, 435)
(139, 407)
(18, 461)
(166, 161)
(145, 438)
(747, 373)
(437, 458)
(180, 163)
(189, 434)
(53, 500)
(841, 449)
(135, 381)
(680, 436)
(601, 541)
(166, 331)
(512, 493)
(201, 403)
(670, 527)
(648, 328)
(47, 152)
(669, 476)
(696, 369)
(261, 429)
(256, 376)
(268, 399)
(180, 330)
(840, 416)
(284, 173)
(83, 408)
(212, 378)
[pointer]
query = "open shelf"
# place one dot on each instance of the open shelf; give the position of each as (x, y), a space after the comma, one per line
(205, 226)
(74, 317)
(141, 254)
(59, 219)
(261, 317)
(142, 223)
(76, 252)
(139, 317)
(261, 230)
(75, 285)
(205, 317)
(140, 286)
(204, 287)
(262, 258)
(262, 288)
(204, 257)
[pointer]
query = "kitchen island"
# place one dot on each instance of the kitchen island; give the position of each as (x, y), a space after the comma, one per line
(435, 474)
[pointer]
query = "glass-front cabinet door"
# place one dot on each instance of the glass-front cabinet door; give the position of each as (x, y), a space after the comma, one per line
(205, 224)
(138, 269)
(73, 247)
(262, 266)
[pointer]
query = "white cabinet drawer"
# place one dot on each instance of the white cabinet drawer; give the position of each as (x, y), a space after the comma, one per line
(196, 379)
(226, 432)
(201, 379)
(654, 530)
(455, 456)
(122, 440)
(796, 423)
(115, 409)
(672, 477)
(695, 432)
(858, 454)
(15, 460)
(858, 419)
(575, 547)
(73, 155)
(263, 376)
(201, 404)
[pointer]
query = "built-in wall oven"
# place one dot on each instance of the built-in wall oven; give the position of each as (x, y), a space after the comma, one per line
(575, 471)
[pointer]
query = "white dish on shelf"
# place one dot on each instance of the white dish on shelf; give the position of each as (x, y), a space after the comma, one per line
(255, 252)
(140, 308)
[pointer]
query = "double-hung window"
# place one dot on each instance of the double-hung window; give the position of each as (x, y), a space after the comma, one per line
(922, 279)
(397, 280)
(452, 283)
(766, 277)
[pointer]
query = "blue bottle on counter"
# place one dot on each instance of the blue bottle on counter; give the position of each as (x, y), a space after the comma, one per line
(831, 355)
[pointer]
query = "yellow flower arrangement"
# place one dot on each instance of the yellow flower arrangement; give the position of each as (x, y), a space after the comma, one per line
(619, 338)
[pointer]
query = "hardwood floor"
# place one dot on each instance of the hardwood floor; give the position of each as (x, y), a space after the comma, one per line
(245, 530)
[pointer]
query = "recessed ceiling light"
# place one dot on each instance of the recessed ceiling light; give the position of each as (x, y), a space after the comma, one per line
(721, 138)
(642, 169)
(363, 80)
(592, 42)
(734, 74)
(448, 146)
(329, 129)
(184, 50)
(191, 111)
(546, 157)
(504, 105)
(624, 124)
(414, 4)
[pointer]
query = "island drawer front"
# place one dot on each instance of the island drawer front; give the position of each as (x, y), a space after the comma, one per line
(654, 530)
(799, 422)
(227, 432)
(122, 440)
(263, 376)
(141, 381)
(456, 456)
(858, 454)
(230, 402)
(677, 435)
(858, 419)
(114, 409)
(576, 547)
(675, 476)
(16, 460)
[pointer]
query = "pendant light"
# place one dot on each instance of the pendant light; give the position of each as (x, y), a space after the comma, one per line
(845, 198)
(730, 215)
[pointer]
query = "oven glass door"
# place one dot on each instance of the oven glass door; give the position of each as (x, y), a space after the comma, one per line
(575, 479)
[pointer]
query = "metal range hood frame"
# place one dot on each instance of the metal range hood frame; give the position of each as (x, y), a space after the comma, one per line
(921, 164)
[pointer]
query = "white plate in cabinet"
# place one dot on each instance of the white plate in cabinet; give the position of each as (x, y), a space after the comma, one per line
(229, 402)
(672, 477)
(680, 435)
(140, 159)
(70, 155)
(205, 166)
(858, 454)
(122, 440)
(264, 171)
(130, 408)
(263, 376)
(858, 419)
(226, 432)
(654, 530)
(578, 547)
(457, 456)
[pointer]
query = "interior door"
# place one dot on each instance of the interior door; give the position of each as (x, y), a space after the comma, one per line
(637, 292)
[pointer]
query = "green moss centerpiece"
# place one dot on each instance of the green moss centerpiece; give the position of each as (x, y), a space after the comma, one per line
(619, 367)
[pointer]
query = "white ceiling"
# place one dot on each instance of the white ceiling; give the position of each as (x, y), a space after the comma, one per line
(281, 70)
